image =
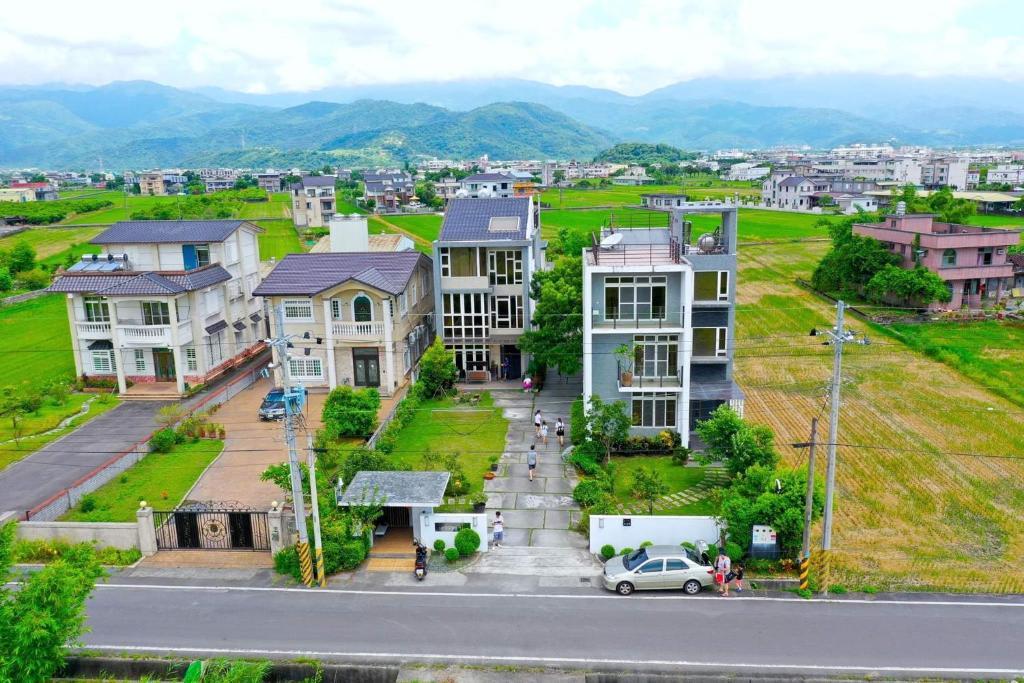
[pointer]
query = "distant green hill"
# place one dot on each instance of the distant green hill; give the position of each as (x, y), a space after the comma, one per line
(644, 153)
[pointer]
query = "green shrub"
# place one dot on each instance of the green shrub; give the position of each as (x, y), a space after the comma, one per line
(607, 551)
(646, 543)
(439, 545)
(838, 589)
(6, 281)
(332, 556)
(286, 562)
(163, 441)
(588, 492)
(712, 551)
(467, 541)
(87, 503)
(577, 422)
(437, 371)
(48, 551)
(35, 279)
(386, 442)
(451, 554)
(687, 544)
(351, 555)
(625, 551)
(681, 455)
(734, 551)
(350, 412)
(584, 463)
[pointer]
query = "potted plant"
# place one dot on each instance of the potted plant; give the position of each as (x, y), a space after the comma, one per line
(494, 463)
(479, 502)
(625, 355)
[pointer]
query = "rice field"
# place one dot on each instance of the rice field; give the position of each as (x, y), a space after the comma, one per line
(622, 195)
(917, 506)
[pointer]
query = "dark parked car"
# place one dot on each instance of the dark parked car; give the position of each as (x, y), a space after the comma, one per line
(272, 407)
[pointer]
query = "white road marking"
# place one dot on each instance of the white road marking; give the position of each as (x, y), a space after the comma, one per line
(551, 596)
(586, 661)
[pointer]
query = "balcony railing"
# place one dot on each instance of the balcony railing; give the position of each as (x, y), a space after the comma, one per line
(656, 318)
(349, 330)
(667, 381)
(87, 330)
(145, 335)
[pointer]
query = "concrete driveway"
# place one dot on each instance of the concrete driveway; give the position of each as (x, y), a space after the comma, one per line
(249, 447)
(56, 466)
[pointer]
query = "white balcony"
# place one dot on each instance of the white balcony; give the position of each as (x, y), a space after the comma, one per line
(360, 330)
(153, 335)
(88, 330)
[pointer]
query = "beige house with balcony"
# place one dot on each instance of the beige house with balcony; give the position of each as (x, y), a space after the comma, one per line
(361, 319)
(165, 305)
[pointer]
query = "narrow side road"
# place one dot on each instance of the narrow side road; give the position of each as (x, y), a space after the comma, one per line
(588, 631)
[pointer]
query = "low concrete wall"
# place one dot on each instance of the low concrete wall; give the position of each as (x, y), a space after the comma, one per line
(166, 669)
(122, 535)
(628, 531)
(428, 522)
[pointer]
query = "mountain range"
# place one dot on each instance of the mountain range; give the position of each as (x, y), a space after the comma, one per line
(143, 124)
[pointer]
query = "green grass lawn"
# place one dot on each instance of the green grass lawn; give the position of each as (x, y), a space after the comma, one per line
(990, 352)
(52, 245)
(473, 433)
(48, 418)
(676, 477)
(35, 341)
(378, 227)
(123, 206)
(620, 195)
(160, 479)
(279, 239)
(427, 226)
(277, 206)
(995, 221)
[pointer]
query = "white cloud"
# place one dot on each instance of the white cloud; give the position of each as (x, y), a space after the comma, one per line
(629, 46)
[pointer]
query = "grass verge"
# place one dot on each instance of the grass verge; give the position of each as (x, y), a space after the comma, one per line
(48, 417)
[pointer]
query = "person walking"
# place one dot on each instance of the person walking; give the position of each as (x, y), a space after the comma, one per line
(544, 432)
(504, 368)
(531, 460)
(537, 419)
(499, 529)
(722, 567)
(527, 384)
(560, 432)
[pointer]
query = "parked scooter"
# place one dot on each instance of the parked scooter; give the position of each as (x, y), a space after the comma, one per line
(420, 569)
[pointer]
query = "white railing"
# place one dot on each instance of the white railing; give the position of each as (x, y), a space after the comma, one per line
(354, 329)
(94, 330)
(145, 334)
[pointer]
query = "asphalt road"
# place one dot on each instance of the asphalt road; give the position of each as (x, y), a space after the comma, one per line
(578, 630)
(32, 480)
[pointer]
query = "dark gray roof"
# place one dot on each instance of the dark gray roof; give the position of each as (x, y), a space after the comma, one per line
(488, 178)
(394, 177)
(101, 345)
(216, 327)
(793, 181)
(308, 274)
(397, 489)
(180, 232)
(715, 391)
(469, 220)
(317, 181)
(128, 283)
(238, 325)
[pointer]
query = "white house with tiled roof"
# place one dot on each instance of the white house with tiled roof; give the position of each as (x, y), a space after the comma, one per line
(164, 305)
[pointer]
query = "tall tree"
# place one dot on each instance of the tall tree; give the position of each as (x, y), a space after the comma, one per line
(649, 486)
(557, 337)
(607, 423)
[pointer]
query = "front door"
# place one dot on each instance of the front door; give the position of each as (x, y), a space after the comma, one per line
(163, 364)
(367, 367)
(510, 353)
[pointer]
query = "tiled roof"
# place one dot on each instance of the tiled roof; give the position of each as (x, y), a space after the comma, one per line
(309, 274)
(396, 489)
(469, 220)
(133, 283)
(179, 232)
(487, 178)
(793, 181)
(1017, 260)
(318, 181)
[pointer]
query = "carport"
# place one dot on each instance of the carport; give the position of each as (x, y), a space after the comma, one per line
(406, 498)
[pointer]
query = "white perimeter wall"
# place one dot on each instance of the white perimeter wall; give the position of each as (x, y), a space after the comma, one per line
(660, 530)
(123, 535)
(424, 521)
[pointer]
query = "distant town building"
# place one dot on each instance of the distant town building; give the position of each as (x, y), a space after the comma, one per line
(388, 190)
(972, 260)
(1007, 173)
(152, 184)
(489, 185)
(313, 201)
(269, 182)
(945, 172)
(747, 171)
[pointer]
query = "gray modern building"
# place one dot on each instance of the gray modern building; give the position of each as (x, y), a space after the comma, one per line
(659, 318)
(484, 260)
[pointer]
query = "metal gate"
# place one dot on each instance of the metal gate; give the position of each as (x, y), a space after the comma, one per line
(212, 525)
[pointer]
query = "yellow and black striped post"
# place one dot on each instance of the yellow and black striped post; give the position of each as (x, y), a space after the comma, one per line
(826, 571)
(321, 575)
(305, 564)
(805, 572)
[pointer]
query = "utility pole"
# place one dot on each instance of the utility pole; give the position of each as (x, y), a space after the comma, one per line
(837, 338)
(321, 575)
(805, 554)
(280, 344)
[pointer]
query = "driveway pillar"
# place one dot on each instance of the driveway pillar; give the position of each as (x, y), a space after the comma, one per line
(147, 531)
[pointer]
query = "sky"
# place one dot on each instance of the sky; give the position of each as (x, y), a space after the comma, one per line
(632, 46)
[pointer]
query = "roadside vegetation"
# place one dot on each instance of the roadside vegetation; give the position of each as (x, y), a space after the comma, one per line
(24, 433)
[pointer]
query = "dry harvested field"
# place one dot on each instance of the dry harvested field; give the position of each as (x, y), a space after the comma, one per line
(916, 505)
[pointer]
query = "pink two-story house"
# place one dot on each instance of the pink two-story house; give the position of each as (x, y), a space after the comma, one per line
(971, 259)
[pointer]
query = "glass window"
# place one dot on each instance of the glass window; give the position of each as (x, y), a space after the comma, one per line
(465, 315)
(652, 567)
(711, 285)
(155, 313)
(506, 312)
(635, 298)
(505, 267)
(675, 565)
(709, 341)
(306, 368)
(949, 257)
(216, 347)
(656, 355)
(654, 410)
(140, 360)
(298, 309)
(191, 361)
(335, 309)
(96, 310)
(362, 309)
(202, 255)
(103, 361)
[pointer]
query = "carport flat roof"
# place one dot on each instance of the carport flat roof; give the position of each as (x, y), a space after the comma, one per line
(397, 489)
